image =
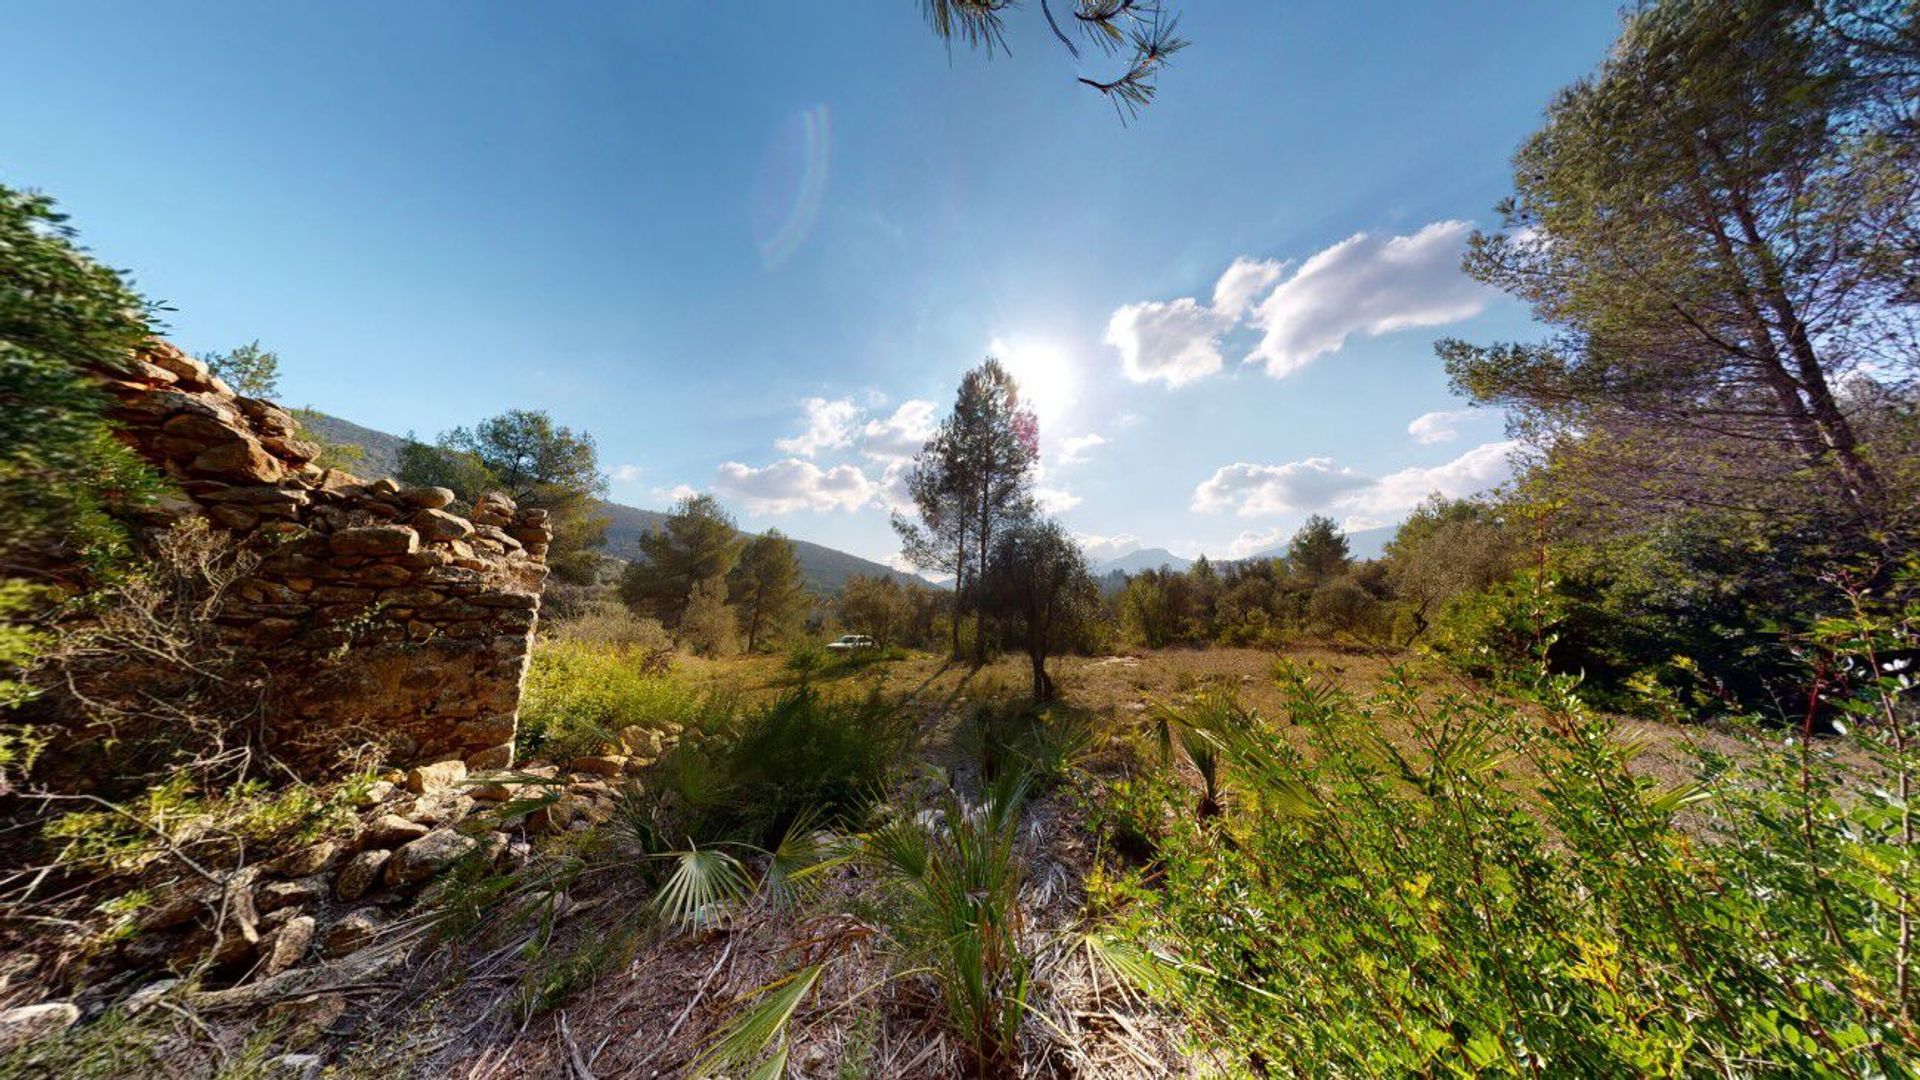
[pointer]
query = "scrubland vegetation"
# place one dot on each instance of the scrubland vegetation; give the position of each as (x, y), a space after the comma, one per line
(1610, 772)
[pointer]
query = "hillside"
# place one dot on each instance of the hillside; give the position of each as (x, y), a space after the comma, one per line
(1133, 562)
(825, 569)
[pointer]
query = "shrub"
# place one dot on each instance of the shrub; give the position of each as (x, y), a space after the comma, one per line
(580, 695)
(1341, 606)
(613, 626)
(1410, 906)
(806, 754)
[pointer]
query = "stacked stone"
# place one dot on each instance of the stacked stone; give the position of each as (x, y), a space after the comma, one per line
(379, 613)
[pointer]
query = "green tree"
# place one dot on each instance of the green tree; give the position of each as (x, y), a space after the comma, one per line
(708, 627)
(250, 370)
(698, 542)
(876, 606)
(1446, 548)
(970, 482)
(1318, 551)
(535, 462)
(766, 589)
(64, 480)
(1705, 224)
(1038, 576)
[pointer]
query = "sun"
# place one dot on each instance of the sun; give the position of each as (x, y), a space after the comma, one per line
(1045, 376)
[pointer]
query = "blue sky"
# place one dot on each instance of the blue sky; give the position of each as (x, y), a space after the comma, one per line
(745, 244)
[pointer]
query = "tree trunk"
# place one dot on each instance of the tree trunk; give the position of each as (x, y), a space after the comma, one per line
(959, 581)
(980, 601)
(1042, 682)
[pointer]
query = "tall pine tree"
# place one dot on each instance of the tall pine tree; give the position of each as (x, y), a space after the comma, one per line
(970, 482)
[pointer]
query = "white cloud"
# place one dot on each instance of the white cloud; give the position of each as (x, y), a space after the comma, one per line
(1485, 466)
(1101, 548)
(1323, 484)
(891, 492)
(830, 426)
(1252, 490)
(675, 493)
(1077, 447)
(1175, 342)
(900, 435)
(1255, 541)
(1366, 284)
(1437, 427)
(1243, 283)
(625, 473)
(791, 485)
(1055, 500)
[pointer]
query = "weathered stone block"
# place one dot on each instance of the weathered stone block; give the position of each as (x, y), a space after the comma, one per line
(375, 540)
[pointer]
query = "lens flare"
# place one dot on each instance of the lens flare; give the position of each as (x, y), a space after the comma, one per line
(791, 185)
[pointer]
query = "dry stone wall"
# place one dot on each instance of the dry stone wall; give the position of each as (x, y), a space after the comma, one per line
(382, 615)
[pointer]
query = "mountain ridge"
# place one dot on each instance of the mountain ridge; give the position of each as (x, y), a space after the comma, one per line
(824, 569)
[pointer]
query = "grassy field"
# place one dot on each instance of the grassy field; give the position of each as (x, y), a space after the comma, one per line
(1120, 692)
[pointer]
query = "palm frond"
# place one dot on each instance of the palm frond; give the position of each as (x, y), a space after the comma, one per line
(704, 881)
(760, 1027)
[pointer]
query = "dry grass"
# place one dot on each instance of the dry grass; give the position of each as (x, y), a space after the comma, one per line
(651, 1013)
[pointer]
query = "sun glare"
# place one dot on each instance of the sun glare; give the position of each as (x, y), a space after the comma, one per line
(1046, 379)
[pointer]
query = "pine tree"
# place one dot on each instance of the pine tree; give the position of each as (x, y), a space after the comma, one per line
(970, 482)
(535, 462)
(250, 370)
(1319, 550)
(766, 589)
(698, 542)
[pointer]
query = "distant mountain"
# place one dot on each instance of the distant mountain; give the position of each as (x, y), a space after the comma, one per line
(1134, 562)
(824, 569)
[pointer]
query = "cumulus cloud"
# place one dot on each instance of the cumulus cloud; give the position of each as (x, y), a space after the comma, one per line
(1388, 499)
(676, 493)
(1253, 490)
(1243, 283)
(624, 473)
(1176, 342)
(1055, 500)
(900, 435)
(830, 425)
(1255, 541)
(1077, 447)
(1437, 427)
(792, 485)
(1366, 284)
(1321, 483)
(1101, 548)
(891, 492)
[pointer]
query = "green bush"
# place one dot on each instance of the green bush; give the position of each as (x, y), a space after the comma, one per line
(1495, 893)
(579, 695)
(805, 755)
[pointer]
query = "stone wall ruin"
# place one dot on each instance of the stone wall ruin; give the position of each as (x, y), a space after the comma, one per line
(380, 614)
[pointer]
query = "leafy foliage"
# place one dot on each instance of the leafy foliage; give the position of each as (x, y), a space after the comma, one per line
(1383, 904)
(64, 480)
(249, 369)
(538, 464)
(698, 542)
(766, 591)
